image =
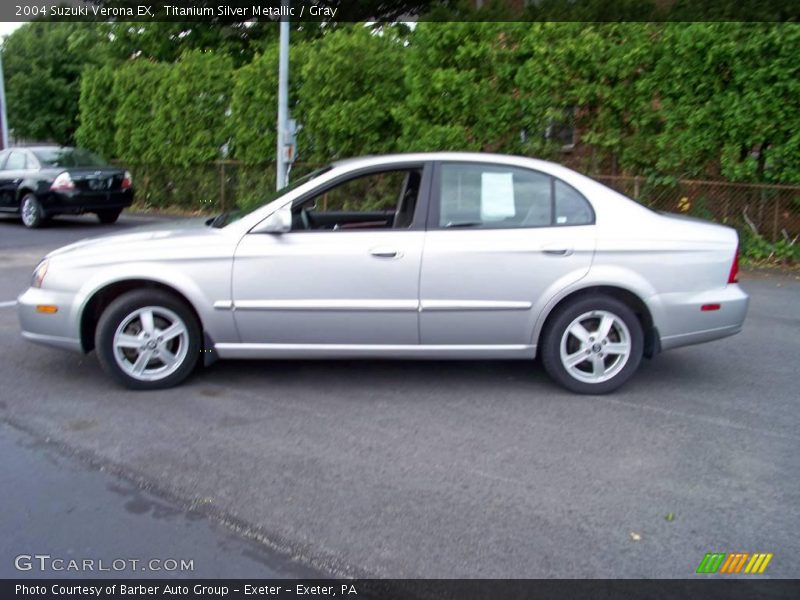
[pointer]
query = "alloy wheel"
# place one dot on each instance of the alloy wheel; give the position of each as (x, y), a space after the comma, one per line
(595, 346)
(151, 343)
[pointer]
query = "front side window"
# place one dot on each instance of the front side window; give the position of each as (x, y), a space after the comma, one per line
(496, 197)
(383, 200)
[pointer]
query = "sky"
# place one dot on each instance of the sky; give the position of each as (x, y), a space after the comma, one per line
(6, 28)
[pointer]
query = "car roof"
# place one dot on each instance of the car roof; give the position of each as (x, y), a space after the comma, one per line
(39, 147)
(487, 157)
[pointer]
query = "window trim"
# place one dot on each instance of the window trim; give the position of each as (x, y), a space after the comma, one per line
(435, 200)
(419, 222)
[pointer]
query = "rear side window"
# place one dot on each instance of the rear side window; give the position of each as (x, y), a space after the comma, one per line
(493, 197)
(496, 197)
(16, 160)
(571, 207)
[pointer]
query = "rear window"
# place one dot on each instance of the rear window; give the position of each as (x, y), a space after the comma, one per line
(68, 157)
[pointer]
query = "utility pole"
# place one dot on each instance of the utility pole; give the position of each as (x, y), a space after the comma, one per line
(284, 148)
(3, 112)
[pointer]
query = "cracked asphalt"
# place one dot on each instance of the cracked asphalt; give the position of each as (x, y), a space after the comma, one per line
(442, 469)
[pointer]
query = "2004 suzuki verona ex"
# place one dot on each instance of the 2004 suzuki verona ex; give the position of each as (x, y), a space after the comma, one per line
(434, 256)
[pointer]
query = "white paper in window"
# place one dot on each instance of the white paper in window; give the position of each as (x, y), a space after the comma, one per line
(497, 196)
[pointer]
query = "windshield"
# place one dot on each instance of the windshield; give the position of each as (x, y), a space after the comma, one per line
(229, 217)
(68, 157)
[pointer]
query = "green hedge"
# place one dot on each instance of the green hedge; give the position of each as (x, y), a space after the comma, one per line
(661, 100)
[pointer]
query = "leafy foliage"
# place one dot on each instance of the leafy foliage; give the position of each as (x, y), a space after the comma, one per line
(97, 107)
(43, 62)
(460, 87)
(191, 101)
(254, 103)
(350, 84)
(134, 91)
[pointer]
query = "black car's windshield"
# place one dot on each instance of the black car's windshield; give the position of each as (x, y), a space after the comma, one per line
(68, 157)
(229, 217)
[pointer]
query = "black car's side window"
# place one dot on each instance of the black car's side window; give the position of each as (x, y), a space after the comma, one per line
(16, 161)
(3, 157)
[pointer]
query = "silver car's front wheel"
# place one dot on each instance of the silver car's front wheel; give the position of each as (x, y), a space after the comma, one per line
(151, 343)
(148, 339)
(592, 345)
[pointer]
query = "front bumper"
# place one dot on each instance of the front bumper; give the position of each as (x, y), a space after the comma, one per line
(682, 322)
(60, 329)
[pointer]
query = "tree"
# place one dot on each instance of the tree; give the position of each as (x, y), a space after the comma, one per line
(352, 82)
(135, 92)
(191, 102)
(97, 107)
(43, 62)
(254, 103)
(460, 91)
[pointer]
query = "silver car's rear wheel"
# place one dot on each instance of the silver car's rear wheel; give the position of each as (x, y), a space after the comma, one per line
(151, 343)
(595, 346)
(592, 344)
(148, 339)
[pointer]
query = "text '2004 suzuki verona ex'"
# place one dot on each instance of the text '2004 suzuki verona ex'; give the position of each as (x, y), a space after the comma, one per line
(434, 256)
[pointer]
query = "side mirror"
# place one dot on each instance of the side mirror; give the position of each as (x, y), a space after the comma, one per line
(278, 222)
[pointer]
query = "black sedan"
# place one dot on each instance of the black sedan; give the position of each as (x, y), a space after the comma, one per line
(38, 182)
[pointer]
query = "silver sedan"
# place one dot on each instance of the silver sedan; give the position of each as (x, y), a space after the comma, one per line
(429, 256)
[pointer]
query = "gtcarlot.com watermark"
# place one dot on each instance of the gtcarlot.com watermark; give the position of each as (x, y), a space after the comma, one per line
(47, 563)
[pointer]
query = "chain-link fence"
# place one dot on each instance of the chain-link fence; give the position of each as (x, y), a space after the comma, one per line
(211, 187)
(773, 210)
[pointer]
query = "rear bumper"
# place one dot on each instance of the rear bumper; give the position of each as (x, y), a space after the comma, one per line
(59, 329)
(682, 322)
(76, 202)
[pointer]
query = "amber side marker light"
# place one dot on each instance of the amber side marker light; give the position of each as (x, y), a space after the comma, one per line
(46, 308)
(706, 307)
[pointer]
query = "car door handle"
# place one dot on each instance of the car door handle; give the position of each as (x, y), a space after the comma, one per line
(557, 251)
(385, 253)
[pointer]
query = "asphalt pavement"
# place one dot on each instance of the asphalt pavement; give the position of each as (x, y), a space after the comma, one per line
(442, 469)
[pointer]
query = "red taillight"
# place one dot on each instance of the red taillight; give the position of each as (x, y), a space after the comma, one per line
(63, 182)
(127, 180)
(733, 277)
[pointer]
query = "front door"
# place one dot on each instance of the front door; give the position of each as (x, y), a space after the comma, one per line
(346, 274)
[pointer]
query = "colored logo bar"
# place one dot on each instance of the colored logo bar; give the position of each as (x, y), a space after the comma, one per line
(734, 562)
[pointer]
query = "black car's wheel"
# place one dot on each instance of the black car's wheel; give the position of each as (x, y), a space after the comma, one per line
(109, 216)
(592, 345)
(31, 211)
(148, 339)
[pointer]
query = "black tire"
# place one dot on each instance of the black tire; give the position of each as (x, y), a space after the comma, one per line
(107, 217)
(618, 373)
(121, 310)
(31, 211)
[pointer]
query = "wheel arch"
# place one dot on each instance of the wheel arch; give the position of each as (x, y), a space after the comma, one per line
(631, 299)
(22, 191)
(102, 297)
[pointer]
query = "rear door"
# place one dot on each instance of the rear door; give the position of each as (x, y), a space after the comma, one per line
(500, 239)
(346, 274)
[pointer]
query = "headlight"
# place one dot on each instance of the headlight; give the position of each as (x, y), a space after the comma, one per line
(38, 274)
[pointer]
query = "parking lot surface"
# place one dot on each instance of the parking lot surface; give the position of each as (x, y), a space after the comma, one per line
(447, 469)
